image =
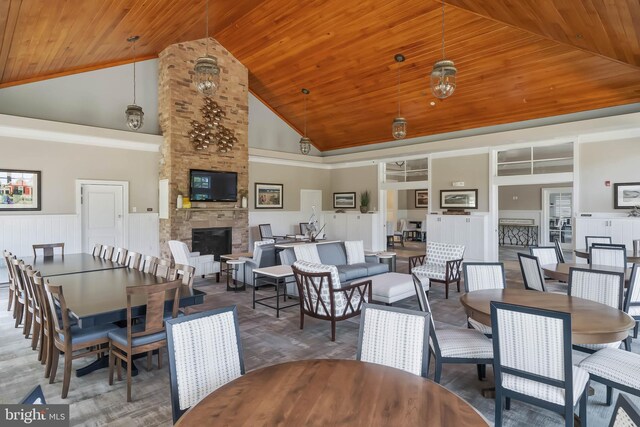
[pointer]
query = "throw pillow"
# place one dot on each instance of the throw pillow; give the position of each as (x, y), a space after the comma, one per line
(355, 252)
(307, 253)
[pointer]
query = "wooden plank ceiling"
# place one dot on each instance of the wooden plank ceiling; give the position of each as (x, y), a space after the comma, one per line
(517, 59)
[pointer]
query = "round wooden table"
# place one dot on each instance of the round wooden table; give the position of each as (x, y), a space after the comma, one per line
(591, 322)
(584, 253)
(331, 393)
(561, 271)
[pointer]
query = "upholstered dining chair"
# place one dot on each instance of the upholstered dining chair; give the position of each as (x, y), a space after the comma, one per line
(532, 361)
(72, 341)
(455, 345)
(479, 276)
(590, 240)
(133, 260)
(199, 366)
(615, 368)
(266, 233)
(107, 252)
(531, 272)
(97, 250)
(120, 256)
(144, 337)
(632, 300)
(380, 327)
(48, 249)
(545, 254)
(604, 287)
(625, 414)
(559, 252)
(610, 256)
(440, 264)
(322, 296)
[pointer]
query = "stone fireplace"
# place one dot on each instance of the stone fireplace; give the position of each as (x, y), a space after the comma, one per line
(211, 241)
(178, 104)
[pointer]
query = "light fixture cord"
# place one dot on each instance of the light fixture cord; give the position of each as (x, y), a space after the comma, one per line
(443, 56)
(398, 89)
(134, 72)
(207, 26)
(305, 115)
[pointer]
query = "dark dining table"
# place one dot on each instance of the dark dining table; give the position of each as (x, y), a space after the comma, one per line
(58, 265)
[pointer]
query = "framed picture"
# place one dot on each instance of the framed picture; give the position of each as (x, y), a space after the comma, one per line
(344, 200)
(626, 195)
(19, 190)
(459, 199)
(422, 198)
(269, 196)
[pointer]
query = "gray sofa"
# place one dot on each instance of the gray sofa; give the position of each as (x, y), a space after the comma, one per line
(334, 253)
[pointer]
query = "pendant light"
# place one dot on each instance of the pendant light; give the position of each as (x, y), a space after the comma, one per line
(134, 114)
(399, 125)
(207, 72)
(443, 75)
(305, 143)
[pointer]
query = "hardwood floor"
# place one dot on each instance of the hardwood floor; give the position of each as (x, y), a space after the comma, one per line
(266, 341)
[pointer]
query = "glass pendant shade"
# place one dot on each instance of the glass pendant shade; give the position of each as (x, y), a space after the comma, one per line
(207, 75)
(443, 79)
(305, 145)
(135, 117)
(399, 128)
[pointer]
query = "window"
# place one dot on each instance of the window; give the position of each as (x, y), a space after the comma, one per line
(536, 160)
(407, 171)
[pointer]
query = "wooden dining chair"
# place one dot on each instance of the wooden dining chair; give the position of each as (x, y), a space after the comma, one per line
(36, 309)
(8, 256)
(72, 341)
(604, 287)
(45, 353)
(107, 252)
(163, 268)
(133, 260)
(144, 337)
(380, 327)
(445, 344)
(217, 352)
(19, 295)
(533, 363)
(185, 273)
(97, 250)
(28, 299)
(48, 249)
(120, 256)
(149, 265)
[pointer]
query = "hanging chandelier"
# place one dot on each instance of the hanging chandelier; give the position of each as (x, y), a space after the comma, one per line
(399, 125)
(207, 72)
(443, 75)
(134, 113)
(305, 143)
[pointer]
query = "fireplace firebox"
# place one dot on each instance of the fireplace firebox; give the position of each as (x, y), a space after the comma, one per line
(212, 241)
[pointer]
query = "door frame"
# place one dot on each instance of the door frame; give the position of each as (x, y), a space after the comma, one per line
(125, 206)
(545, 214)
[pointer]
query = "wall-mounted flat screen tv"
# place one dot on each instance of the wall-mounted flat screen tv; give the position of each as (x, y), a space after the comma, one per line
(213, 186)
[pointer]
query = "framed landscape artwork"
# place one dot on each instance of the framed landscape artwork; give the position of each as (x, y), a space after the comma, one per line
(344, 200)
(269, 196)
(626, 195)
(422, 198)
(19, 190)
(459, 199)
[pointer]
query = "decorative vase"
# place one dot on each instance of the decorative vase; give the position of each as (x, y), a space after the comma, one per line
(186, 203)
(244, 202)
(364, 209)
(179, 202)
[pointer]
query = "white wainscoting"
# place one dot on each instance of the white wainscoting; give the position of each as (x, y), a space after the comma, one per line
(144, 233)
(19, 232)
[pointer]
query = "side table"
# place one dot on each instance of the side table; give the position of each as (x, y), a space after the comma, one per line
(275, 276)
(233, 265)
(388, 258)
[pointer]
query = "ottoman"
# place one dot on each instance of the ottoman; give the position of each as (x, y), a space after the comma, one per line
(392, 287)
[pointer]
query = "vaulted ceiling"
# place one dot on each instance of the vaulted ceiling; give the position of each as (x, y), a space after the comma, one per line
(517, 59)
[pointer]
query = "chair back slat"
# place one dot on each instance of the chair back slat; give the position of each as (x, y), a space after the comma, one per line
(205, 352)
(610, 256)
(17, 275)
(97, 250)
(120, 256)
(150, 264)
(156, 296)
(48, 249)
(133, 260)
(32, 290)
(184, 273)
(163, 268)
(45, 310)
(531, 272)
(483, 275)
(28, 291)
(107, 252)
(394, 337)
(545, 254)
(61, 323)
(605, 287)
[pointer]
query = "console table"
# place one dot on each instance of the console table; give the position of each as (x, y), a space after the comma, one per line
(517, 232)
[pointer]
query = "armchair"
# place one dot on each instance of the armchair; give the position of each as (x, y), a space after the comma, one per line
(204, 264)
(264, 255)
(442, 264)
(323, 297)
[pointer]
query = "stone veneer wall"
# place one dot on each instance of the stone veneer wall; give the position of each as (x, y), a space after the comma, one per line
(178, 104)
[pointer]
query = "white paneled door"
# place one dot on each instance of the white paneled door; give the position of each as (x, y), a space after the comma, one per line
(102, 216)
